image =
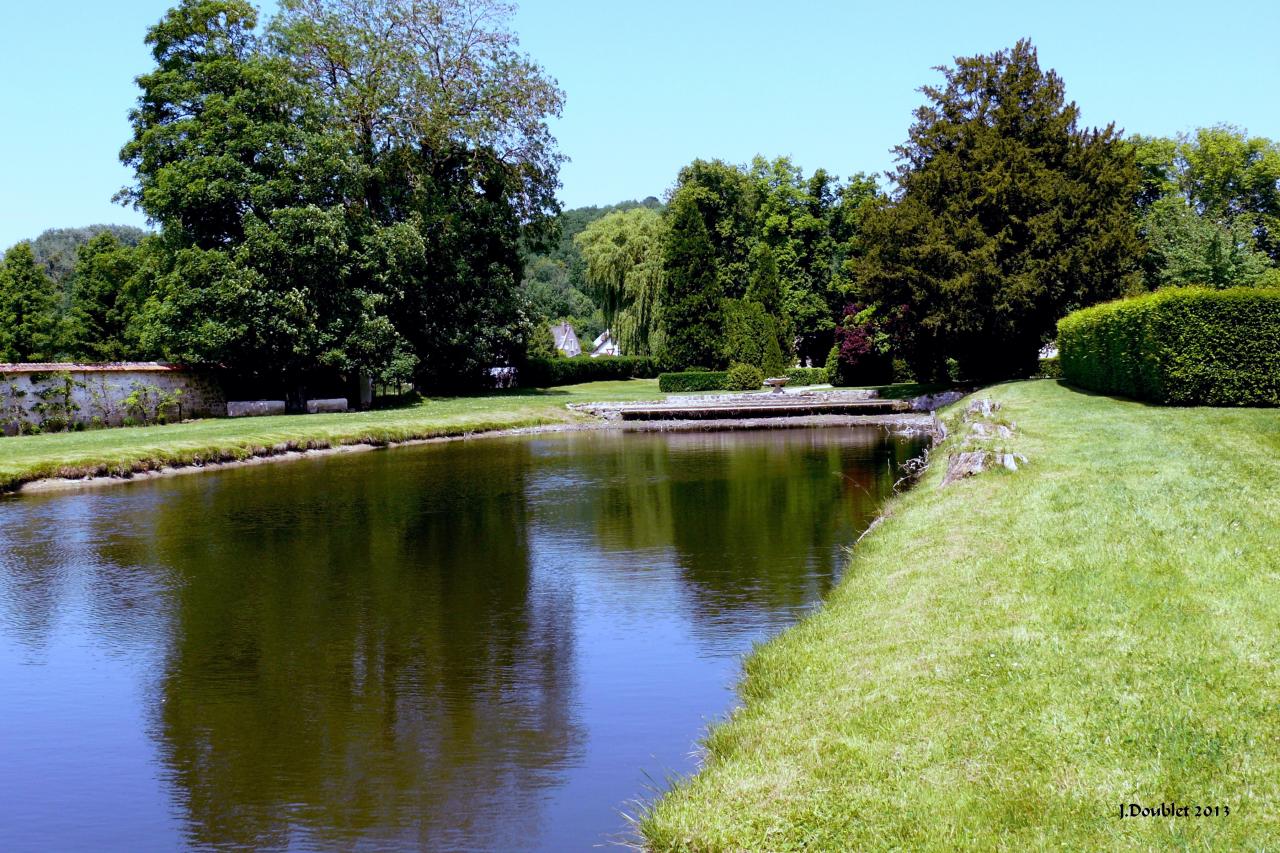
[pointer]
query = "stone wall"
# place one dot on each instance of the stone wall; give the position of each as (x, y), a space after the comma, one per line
(48, 396)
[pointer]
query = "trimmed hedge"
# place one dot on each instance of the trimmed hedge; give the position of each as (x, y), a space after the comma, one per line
(544, 372)
(693, 380)
(808, 375)
(1181, 346)
(1050, 368)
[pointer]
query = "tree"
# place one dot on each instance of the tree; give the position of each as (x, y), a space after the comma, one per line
(793, 220)
(1007, 216)
(106, 298)
(692, 291)
(751, 336)
(455, 166)
(1232, 177)
(436, 75)
(451, 269)
(256, 266)
(1185, 247)
(725, 198)
(1210, 207)
(220, 130)
(623, 256)
(55, 249)
(29, 308)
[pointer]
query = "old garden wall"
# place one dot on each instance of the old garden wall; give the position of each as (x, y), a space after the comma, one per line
(56, 396)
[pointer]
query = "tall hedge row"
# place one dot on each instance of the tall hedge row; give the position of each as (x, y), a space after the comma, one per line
(544, 372)
(693, 380)
(1182, 346)
(809, 375)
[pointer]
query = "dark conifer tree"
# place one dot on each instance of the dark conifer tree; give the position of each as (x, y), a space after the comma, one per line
(691, 294)
(1008, 215)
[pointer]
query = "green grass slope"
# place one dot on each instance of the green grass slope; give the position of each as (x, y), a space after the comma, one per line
(1011, 658)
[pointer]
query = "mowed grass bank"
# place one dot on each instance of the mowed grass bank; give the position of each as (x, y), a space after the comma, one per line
(1012, 658)
(121, 451)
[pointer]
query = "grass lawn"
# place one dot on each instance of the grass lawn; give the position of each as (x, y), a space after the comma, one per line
(1012, 658)
(27, 458)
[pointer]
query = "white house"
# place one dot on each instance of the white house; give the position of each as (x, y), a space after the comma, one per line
(605, 345)
(566, 340)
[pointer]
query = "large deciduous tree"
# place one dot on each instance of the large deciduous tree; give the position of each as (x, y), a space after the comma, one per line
(447, 121)
(232, 160)
(1008, 214)
(1210, 207)
(350, 193)
(220, 131)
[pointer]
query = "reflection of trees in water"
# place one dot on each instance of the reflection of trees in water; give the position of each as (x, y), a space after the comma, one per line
(755, 519)
(354, 650)
(35, 565)
(46, 545)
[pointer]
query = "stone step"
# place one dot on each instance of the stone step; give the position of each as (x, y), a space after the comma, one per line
(763, 410)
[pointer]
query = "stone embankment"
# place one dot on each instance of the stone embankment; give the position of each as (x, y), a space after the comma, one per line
(983, 443)
(757, 410)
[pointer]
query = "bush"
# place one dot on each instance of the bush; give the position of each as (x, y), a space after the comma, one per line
(871, 369)
(1050, 368)
(1181, 346)
(693, 380)
(544, 372)
(808, 375)
(744, 377)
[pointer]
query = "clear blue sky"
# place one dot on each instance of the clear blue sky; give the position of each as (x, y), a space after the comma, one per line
(652, 85)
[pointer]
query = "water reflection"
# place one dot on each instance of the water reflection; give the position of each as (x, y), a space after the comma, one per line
(482, 645)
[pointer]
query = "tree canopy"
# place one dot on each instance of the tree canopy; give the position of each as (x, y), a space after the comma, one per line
(622, 252)
(1210, 207)
(56, 248)
(349, 192)
(29, 309)
(1007, 215)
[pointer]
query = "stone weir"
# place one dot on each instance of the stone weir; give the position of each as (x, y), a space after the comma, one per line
(759, 410)
(765, 409)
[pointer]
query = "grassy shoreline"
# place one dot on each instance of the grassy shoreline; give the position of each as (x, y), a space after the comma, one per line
(131, 450)
(127, 451)
(1012, 658)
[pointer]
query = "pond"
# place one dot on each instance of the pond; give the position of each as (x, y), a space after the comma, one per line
(498, 644)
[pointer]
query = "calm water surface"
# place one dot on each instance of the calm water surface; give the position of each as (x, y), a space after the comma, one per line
(490, 645)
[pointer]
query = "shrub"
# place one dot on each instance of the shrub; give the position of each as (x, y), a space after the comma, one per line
(1182, 346)
(544, 372)
(744, 377)
(872, 369)
(808, 375)
(693, 380)
(1050, 368)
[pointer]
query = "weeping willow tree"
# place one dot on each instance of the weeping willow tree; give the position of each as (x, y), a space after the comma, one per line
(623, 254)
